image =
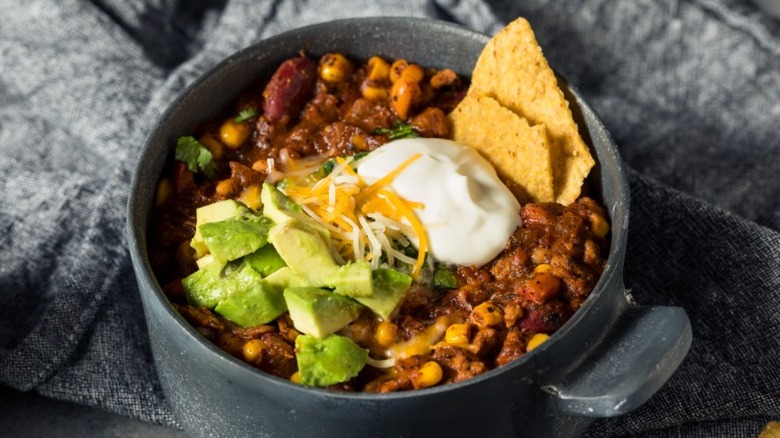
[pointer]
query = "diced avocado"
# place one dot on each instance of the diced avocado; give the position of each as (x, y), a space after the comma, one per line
(235, 237)
(265, 260)
(281, 209)
(303, 250)
(319, 312)
(236, 292)
(390, 286)
(304, 245)
(323, 362)
(257, 303)
(352, 280)
(209, 285)
(285, 277)
(215, 212)
(205, 261)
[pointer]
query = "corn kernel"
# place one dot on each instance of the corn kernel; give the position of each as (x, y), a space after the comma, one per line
(536, 341)
(225, 187)
(252, 349)
(251, 197)
(428, 375)
(487, 314)
(334, 67)
(403, 94)
(359, 142)
(292, 334)
(413, 73)
(443, 78)
(233, 134)
(213, 145)
(378, 69)
(260, 166)
(398, 67)
(296, 378)
(386, 334)
(544, 267)
(599, 225)
(164, 190)
(458, 334)
(373, 92)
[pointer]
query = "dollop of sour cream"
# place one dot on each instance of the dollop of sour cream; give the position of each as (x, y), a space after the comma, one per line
(469, 214)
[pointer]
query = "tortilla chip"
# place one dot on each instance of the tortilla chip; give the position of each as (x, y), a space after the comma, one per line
(772, 430)
(513, 70)
(509, 143)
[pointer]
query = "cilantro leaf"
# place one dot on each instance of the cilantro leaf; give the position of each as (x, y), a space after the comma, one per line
(196, 156)
(245, 115)
(443, 278)
(358, 156)
(327, 167)
(399, 130)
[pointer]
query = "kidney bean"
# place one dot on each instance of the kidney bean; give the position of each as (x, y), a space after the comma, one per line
(546, 319)
(183, 179)
(289, 89)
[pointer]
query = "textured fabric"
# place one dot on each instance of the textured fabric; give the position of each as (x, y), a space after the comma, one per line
(689, 89)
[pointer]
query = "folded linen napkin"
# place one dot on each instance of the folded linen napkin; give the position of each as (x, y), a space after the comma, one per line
(690, 90)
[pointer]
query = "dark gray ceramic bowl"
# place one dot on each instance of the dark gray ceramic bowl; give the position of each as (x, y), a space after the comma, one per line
(607, 360)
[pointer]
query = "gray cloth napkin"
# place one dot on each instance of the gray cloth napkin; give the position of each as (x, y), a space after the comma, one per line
(690, 90)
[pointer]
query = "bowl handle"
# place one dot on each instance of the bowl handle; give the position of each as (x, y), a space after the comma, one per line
(635, 359)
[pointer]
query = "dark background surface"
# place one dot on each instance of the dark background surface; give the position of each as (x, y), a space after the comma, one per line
(26, 414)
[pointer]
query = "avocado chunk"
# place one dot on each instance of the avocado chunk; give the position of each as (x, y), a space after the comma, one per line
(265, 260)
(285, 277)
(281, 209)
(390, 286)
(310, 260)
(319, 312)
(303, 250)
(207, 286)
(215, 282)
(235, 237)
(328, 361)
(258, 302)
(352, 279)
(215, 212)
(304, 245)
(205, 261)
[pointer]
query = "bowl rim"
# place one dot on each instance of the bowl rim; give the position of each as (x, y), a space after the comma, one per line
(147, 280)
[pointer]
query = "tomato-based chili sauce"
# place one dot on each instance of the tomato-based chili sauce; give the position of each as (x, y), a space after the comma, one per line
(311, 110)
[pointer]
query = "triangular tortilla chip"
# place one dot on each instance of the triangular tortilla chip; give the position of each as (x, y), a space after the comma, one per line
(513, 70)
(509, 143)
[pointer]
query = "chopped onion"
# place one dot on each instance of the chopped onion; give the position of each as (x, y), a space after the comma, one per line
(381, 363)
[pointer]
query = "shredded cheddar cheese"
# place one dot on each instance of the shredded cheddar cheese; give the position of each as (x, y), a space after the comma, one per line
(366, 221)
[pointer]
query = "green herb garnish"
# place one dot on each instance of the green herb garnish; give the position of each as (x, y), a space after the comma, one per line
(410, 251)
(399, 130)
(327, 167)
(443, 278)
(245, 115)
(196, 156)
